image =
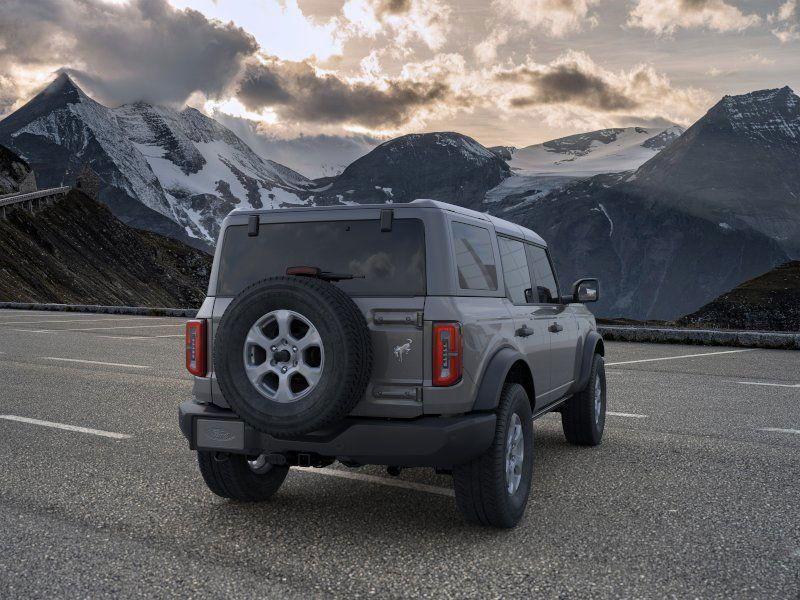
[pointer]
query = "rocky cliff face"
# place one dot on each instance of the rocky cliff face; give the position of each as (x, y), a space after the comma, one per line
(76, 251)
(767, 302)
(738, 165)
(15, 173)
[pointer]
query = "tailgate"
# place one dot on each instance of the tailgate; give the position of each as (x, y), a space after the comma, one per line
(398, 346)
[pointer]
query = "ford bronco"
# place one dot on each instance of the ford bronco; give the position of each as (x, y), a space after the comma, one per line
(409, 335)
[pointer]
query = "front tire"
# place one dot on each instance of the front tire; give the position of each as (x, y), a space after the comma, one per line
(234, 476)
(493, 489)
(583, 416)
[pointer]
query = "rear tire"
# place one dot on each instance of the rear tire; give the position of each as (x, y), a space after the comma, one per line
(483, 487)
(583, 416)
(231, 476)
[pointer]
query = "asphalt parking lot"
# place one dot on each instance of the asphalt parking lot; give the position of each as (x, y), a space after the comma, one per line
(695, 491)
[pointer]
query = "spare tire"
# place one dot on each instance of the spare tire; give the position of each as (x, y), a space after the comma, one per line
(292, 355)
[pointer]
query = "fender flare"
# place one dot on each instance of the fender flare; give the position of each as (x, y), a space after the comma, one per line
(494, 376)
(591, 346)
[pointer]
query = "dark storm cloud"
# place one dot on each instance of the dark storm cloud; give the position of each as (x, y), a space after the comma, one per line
(142, 50)
(566, 83)
(297, 92)
(393, 7)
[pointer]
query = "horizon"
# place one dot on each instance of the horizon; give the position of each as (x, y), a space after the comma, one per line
(378, 140)
(504, 73)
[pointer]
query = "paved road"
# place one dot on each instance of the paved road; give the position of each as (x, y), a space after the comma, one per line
(695, 491)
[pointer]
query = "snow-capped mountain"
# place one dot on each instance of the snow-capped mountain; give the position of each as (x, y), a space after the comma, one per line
(542, 168)
(446, 166)
(594, 153)
(176, 172)
(718, 206)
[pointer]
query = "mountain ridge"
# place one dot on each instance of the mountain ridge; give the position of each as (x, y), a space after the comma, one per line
(182, 165)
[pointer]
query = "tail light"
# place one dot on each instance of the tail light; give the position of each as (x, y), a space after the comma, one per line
(447, 354)
(196, 347)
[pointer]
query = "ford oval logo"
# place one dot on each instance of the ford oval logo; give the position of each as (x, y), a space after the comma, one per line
(219, 434)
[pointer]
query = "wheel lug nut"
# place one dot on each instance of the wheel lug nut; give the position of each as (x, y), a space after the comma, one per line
(283, 369)
(294, 348)
(273, 348)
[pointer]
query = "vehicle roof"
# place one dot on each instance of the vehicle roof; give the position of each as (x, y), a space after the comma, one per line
(500, 225)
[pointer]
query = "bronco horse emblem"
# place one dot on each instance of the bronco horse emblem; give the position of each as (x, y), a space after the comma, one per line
(403, 349)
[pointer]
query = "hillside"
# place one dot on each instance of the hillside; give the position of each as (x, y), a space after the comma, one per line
(76, 251)
(767, 302)
(654, 261)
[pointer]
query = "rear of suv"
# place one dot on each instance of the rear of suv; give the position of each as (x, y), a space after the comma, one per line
(414, 335)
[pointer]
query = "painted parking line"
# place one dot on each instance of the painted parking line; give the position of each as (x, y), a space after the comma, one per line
(409, 485)
(779, 430)
(94, 362)
(644, 360)
(624, 414)
(64, 426)
(765, 383)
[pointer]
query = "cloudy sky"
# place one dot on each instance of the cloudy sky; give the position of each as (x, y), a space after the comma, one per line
(503, 71)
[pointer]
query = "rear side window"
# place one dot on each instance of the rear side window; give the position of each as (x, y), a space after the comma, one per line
(546, 290)
(474, 257)
(515, 270)
(392, 262)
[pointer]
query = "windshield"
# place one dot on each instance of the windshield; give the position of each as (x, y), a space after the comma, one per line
(392, 263)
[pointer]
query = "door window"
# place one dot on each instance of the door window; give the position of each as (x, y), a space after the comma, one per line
(515, 270)
(474, 257)
(546, 291)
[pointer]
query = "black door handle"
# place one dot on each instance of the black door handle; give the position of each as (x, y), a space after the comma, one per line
(523, 331)
(555, 328)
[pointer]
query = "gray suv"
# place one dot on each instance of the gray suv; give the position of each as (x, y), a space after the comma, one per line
(412, 335)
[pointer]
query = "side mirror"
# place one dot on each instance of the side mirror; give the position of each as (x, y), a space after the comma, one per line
(586, 290)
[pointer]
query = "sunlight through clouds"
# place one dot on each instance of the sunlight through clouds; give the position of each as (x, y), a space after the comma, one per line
(280, 28)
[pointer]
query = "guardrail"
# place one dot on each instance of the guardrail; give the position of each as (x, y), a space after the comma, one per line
(48, 195)
(96, 308)
(620, 333)
(788, 340)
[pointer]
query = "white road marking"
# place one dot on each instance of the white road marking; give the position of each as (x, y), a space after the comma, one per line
(73, 321)
(94, 362)
(779, 430)
(624, 414)
(101, 328)
(644, 360)
(100, 432)
(786, 385)
(409, 485)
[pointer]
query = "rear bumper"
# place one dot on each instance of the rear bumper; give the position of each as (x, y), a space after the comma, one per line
(441, 442)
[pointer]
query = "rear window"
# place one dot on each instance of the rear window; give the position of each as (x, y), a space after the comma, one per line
(392, 262)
